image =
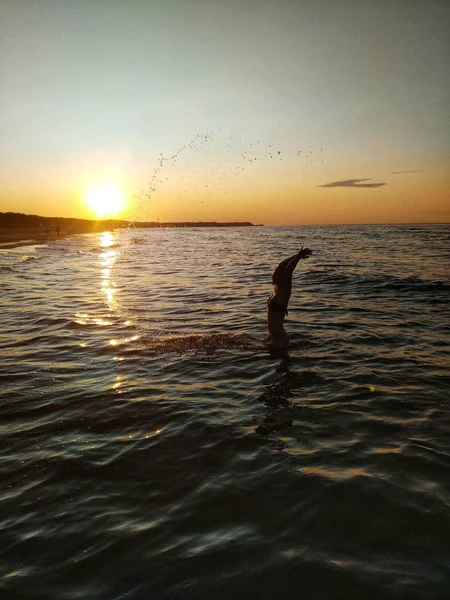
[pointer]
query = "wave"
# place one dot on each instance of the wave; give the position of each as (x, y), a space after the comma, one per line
(204, 343)
(97, 249)
(411, 284)
(27, 258)
(376, 283)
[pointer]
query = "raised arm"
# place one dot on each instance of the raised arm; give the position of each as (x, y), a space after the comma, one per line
(293, 261)
(285, 263)
(282, 276)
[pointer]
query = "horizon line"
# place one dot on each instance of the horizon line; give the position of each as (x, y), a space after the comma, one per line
(131, 222)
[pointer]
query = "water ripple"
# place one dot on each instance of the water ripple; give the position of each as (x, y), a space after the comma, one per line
(152, 448)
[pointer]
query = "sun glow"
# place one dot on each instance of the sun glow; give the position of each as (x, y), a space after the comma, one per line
(105, 201)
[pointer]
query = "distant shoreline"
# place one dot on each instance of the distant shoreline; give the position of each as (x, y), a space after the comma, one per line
(18, 229)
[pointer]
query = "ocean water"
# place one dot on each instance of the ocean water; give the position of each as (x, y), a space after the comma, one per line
(151, 448)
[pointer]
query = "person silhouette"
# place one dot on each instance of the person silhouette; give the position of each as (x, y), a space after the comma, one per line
(278, 302)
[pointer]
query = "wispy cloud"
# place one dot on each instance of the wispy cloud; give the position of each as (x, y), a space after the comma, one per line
(354, 183)
(401, 172)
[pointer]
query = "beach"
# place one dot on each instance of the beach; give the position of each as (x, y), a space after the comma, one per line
(153, 448)
(14, 237)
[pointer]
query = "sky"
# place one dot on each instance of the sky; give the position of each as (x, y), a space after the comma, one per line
(283, 113)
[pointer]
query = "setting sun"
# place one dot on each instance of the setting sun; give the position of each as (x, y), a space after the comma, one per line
(105, 201)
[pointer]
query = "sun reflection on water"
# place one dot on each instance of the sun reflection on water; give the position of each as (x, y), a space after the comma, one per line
(107, 259)
(106, 239)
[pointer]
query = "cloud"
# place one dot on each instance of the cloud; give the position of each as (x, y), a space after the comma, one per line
(354, 183)
(401, 172)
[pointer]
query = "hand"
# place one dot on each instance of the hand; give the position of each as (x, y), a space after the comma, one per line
(305, 253)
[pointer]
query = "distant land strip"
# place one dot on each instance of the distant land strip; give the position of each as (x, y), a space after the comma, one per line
(18, 229)
(13, 219)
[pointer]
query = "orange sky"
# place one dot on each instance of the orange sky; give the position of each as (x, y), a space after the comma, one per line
(250, 112)
(258, 196)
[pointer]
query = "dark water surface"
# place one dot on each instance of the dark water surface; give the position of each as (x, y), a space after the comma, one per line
(152, 449)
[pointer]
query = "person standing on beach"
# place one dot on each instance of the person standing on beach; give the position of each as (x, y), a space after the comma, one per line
(278, 302)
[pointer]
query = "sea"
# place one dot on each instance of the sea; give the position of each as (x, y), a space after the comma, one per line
(153, 448)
